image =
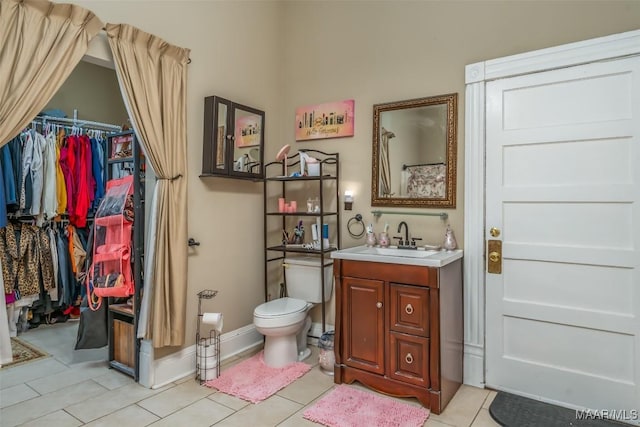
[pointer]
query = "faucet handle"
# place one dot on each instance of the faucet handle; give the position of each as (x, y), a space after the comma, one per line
(413, 240)
(400, 241)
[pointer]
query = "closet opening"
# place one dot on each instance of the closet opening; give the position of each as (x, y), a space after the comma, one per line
(61, 166)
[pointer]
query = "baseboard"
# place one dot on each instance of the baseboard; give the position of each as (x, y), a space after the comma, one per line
(473, 365)
(183, 363)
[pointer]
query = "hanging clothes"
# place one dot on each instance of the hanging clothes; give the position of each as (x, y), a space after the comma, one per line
(26, 259)
(55, 291)
(67, 164)
(3, 199)
(97, 164)
(49, 196)
(15, 147)
(37, 172)
(65, 275)
(82, 172)
(26, 184)
(8, 174)
(61, 185)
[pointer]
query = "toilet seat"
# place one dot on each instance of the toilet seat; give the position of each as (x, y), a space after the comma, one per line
(280, 312)
(280, 307)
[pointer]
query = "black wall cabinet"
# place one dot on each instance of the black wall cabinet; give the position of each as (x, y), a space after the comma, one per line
(233, 143)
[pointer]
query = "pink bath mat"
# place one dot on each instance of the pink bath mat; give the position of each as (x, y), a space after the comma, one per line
(346, 406)
(254, 381)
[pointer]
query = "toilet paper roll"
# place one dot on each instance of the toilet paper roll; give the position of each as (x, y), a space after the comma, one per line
(207, 361)
(214, 319)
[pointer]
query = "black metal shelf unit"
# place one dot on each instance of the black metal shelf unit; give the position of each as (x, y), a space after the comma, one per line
(124, 346)
(329, 173)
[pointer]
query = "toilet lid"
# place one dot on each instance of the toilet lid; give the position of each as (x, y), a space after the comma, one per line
(280, 307)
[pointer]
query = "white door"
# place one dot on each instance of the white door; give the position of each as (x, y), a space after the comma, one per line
(563, 188)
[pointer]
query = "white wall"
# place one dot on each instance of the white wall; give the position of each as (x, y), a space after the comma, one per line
(93, 91)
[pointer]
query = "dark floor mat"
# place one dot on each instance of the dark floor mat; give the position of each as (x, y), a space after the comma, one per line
(510, 410)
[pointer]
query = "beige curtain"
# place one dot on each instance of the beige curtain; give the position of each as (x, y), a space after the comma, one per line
(40, 44)
(153, 76)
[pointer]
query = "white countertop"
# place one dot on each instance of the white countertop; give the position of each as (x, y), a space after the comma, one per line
(393, 255)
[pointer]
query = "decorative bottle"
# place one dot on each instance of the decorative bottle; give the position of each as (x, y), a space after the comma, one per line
(449, 239)
(383, 239)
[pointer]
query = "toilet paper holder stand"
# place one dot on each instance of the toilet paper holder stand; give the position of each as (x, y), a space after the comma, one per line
(207, 345)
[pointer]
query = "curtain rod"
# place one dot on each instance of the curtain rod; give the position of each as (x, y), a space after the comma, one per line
(78, 123)
(405, 167)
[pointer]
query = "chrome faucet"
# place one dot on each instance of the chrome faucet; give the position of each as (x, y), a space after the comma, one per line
(404, 242)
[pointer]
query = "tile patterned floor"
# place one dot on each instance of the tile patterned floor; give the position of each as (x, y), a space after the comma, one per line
(75, 388)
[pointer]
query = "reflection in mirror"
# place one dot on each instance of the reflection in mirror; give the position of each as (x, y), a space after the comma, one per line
(221, 137)
(248, 139)
(414, 152)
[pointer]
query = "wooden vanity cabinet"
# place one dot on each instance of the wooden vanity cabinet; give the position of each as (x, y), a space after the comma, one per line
(399, 329)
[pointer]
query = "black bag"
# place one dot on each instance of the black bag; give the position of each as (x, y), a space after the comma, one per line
(92, 331)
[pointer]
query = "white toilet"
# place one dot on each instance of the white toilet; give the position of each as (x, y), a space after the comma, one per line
(285, 322)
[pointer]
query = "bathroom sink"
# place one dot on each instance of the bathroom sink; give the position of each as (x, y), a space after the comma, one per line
(393, 255)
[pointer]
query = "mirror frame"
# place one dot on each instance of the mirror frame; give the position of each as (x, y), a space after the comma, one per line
(449, 201)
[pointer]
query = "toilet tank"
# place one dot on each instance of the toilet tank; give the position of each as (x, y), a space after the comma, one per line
(303, 277)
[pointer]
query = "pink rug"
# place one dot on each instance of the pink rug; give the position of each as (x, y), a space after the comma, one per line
(346, 406)
(254, 381)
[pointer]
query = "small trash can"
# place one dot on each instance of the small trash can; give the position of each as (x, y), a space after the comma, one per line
(327, 357)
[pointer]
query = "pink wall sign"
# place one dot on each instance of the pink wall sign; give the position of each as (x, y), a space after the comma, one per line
(321, 121)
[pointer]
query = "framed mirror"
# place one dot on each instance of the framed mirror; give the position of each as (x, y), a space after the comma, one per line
(233, 143)
(415, 152)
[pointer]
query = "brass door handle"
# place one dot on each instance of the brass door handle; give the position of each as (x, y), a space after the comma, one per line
(408, 358)
(494, 264)
(379, 305)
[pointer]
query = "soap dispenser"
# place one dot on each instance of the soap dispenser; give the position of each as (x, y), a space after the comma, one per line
(449, 239)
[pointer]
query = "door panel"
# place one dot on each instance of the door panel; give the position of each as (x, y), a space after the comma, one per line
(563, 285)
(604, 162)
(364, 331)
(562, 183)
(568, 100)
(569, 224)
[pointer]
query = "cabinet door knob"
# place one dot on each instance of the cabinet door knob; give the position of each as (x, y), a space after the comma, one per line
(379, 305)
(408, 358)
(408, 309)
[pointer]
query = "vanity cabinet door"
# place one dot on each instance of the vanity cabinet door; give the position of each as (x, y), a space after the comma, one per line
(409, 359)
(363, 324)
(409, 309)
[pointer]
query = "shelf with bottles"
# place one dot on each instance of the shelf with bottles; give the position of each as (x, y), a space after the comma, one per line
(296, 167)
(302, 203)
(310, 214)
(301, 248)
(300, 178)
